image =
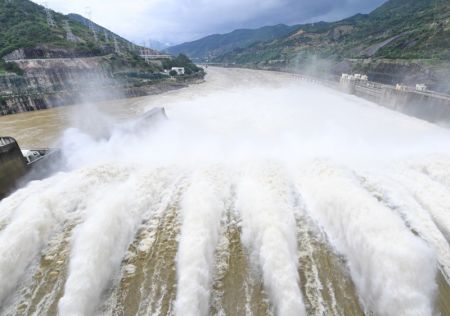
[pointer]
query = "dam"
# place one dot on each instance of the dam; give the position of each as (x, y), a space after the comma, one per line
(427, 105)
(259, 195)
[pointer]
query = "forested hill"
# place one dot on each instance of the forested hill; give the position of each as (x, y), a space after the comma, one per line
(23, 24)
(219, 44)
(398, 29)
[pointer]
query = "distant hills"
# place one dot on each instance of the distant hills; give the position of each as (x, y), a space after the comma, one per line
(398, 29)
(401, 41)
(219, 44)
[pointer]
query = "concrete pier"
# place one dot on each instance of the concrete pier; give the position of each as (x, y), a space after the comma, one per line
(12, 165)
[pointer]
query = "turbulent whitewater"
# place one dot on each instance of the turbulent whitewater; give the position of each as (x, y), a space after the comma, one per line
(261, 195)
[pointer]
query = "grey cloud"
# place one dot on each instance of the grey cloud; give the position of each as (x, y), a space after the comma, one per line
(185, 20)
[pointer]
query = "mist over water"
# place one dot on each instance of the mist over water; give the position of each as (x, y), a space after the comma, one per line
(260, 195)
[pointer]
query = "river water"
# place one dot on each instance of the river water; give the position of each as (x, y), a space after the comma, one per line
(261, 195)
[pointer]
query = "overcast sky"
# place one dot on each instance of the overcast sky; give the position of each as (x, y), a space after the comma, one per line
(177, 21)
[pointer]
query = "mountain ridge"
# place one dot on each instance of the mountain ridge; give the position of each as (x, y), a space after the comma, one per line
(216, 44)
(401, 29)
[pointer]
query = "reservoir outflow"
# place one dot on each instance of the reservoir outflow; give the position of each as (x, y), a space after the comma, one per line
(255, 195)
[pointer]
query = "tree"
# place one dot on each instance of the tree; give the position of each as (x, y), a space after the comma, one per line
(173, 73)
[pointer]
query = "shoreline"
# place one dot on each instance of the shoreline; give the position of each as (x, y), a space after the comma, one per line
(21, 103)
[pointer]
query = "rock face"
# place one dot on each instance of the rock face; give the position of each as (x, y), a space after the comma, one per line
(48, 83)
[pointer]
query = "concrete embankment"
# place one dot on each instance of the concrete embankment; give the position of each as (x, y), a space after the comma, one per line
(12, 165)
(429, 106)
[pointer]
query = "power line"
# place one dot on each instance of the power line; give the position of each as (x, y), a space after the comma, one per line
(106, 35)
(69, 34)
(90, 23)
(48, 12)
(116, 46)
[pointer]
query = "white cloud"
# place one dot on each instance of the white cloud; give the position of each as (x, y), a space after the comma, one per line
(184, 20)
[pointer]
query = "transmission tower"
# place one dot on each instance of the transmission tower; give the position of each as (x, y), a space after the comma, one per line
(116, 46)
(48, 12)
(106, 35)
(90, 23)
(69, 34)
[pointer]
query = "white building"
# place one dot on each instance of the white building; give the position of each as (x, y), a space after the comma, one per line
(421, 87)
(179, 70)
(347, 77)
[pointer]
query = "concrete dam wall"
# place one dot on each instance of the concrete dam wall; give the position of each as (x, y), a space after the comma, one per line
(429, 106)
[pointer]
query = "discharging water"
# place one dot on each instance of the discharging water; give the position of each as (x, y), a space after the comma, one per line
(260, 195)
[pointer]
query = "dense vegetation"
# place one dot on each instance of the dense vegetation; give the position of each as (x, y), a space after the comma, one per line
(9, 67)
(399, 29)
(23, 25)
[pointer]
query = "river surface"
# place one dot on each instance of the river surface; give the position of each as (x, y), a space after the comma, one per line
(260, 195)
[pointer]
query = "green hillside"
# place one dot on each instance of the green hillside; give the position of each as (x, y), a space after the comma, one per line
(399, 29)
(23, 24)
(218, 44)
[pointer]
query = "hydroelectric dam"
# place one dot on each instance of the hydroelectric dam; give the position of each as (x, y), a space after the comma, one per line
(259, 195)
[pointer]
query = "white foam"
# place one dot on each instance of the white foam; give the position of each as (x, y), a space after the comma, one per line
(393, 270)
(201, 211)
(431, 195)
(238, 117)
(268, 230)
(101, 241)
(417, 218)
(34, 220)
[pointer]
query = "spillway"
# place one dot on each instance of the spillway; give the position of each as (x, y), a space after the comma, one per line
(260, 195)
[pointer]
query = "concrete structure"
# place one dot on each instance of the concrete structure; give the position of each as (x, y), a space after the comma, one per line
(418, 102)
(347, 77)
(12, 165)
(179, 70)
(421, 87)
(401, 87)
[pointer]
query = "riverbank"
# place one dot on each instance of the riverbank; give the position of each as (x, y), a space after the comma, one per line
(50, 83)
(433, 73)
(427, 105)
(19, 103)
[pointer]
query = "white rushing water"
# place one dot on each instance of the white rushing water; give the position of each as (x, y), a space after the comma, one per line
(261, 195)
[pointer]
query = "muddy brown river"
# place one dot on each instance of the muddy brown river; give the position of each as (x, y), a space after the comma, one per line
(260, 195)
